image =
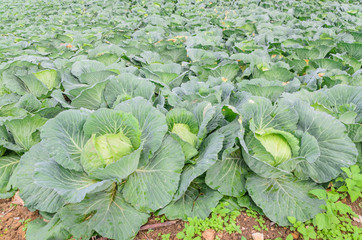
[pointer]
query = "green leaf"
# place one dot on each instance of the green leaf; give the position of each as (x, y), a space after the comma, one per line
(64, 138)
(226, 71)
(127, 86)
(292, 220)
(163, 169)
(320, 193)
(309, 148)
(40, 230)
(86, 66)
(7, 166)
(29, 102)
(49, 78)
(263, 88)
(90, 98)
(227, 175)
(24, 131)
(327, 64)
(209, 149)
(264, 115)
(289, 237)
(352, 49)
(336, 148)
(276, 74)
(188, 150)
(321, 220)
(107, 213)
(180, 235)
(117, 170)
(290, 194)
(309, 54)
(197, 201)
(35, 196)
(34, 85)
(71, 185)
(92, 78)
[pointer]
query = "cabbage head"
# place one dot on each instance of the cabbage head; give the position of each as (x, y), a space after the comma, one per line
(100, 151)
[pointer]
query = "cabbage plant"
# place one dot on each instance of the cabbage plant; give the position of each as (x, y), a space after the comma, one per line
(290, 149)
(101, 171)
(196, 131)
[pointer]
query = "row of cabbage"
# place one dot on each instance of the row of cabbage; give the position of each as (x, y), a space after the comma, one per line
(111, 111)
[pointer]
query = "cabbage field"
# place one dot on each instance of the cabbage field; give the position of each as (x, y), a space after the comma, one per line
(112, 110)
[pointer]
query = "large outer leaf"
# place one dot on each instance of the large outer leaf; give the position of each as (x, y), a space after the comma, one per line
(340, 101)
(7, 166)
(226, 175)
(277, 73)
(327, 64)
(23, 130)
(352, 49)
(35, 196)
(355, 132)
(95, 77)
(152, 187)
(70, 184)
(336, 148)
(309, 147)
(106, 213)
(225, 71)
(40, 230)
(263, 88)
(342, 95)
(34, 85)
(86, 66)
(151, 121)
(64, 138)
(127, 86)
(29, 102)
(90, 98)
(197, 201)
(283, 197)
(208, 155)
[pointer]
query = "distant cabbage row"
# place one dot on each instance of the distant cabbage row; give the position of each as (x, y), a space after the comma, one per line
(112, 110)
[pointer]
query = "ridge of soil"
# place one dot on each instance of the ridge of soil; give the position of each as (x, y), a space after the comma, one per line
(12, 226)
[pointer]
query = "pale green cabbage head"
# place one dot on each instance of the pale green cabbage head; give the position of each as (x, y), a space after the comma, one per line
(103, 150)
(273, 146)
(277, 146)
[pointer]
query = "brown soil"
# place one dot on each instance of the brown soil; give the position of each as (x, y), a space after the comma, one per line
(12, 225)
(13, 219)
(245, 222)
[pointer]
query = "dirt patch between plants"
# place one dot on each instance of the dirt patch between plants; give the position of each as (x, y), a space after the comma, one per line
(245, 222)
(13, 222)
